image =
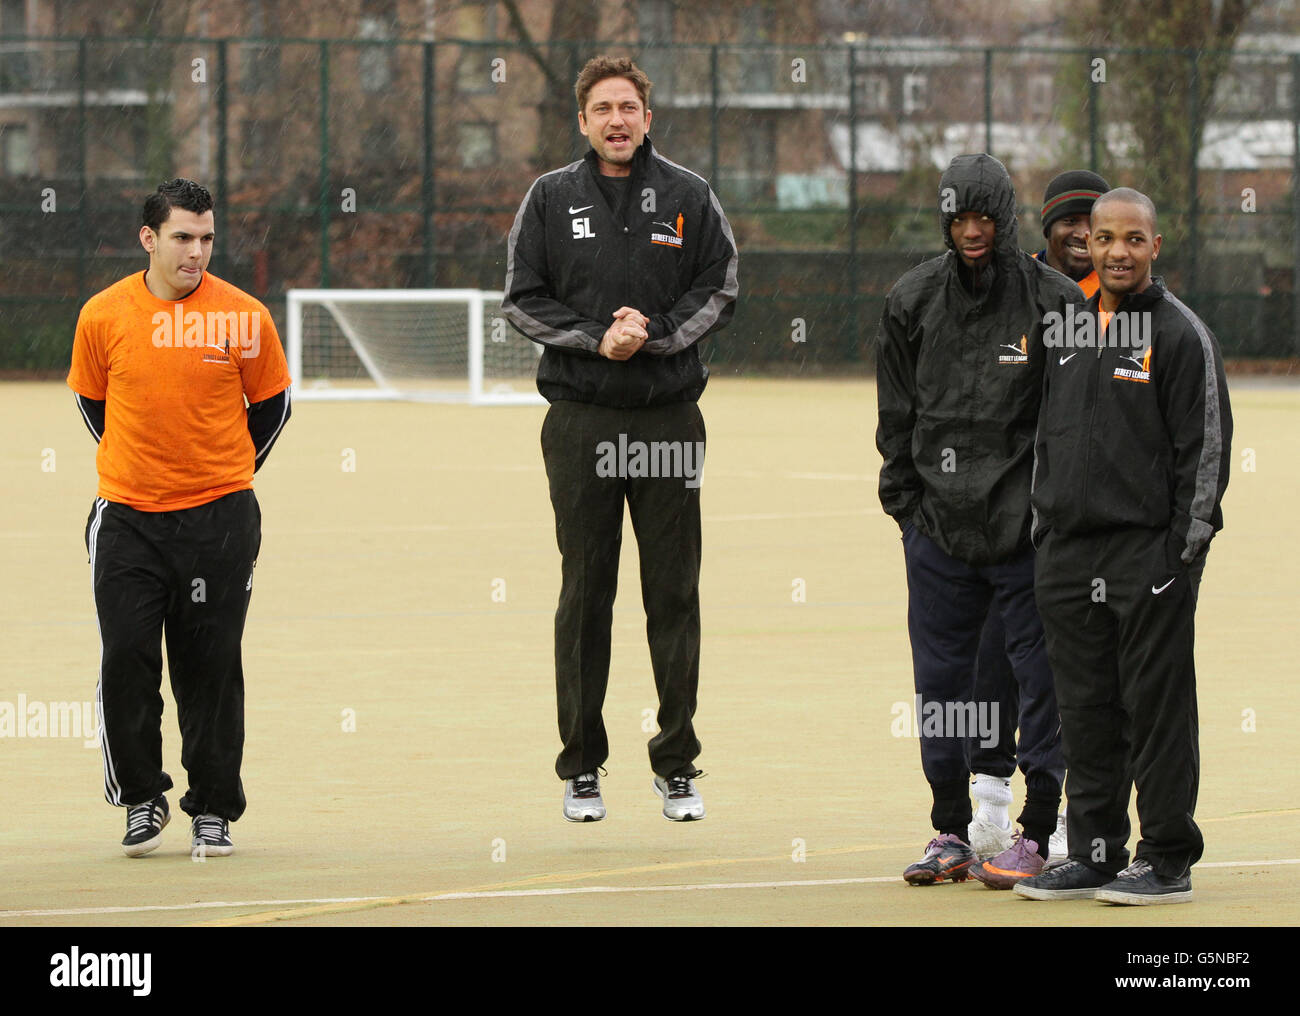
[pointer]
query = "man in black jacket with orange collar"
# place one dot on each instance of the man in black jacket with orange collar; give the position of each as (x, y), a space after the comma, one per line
(1131, 462)
(959, 370)
(619, 264)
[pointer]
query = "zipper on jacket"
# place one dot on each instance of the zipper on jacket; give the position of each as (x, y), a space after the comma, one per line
(1095, 394)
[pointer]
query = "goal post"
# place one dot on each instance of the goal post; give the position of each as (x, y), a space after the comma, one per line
(430, 345)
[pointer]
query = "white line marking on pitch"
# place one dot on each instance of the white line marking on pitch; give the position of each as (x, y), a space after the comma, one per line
(695, 887)
(508, 893)
(183, 906)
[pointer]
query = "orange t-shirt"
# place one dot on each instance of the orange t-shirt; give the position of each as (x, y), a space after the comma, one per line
(174, 376)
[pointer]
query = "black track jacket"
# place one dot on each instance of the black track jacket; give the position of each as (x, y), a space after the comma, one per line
(1136, 437)
(571, 263)
(959, 378)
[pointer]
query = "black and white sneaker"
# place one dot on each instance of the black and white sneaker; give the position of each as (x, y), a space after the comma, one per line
(210, 836)
(1070, 880)
(144, 826)
(1140, 885)
(682, 802)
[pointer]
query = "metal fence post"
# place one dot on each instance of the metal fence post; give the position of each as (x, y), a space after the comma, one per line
(988, 101)
(1194, 184)
(713, 121)
(1295, 200)
(1094, 96)
(853, 194)
(427, 190)
(323, 211)
(221, 214)
(83, 234)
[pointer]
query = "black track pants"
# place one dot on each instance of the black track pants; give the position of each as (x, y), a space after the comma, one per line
(579, 443)
(186, 575)
(1119, 609)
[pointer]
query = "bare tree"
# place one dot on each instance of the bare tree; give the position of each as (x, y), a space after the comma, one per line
(1167, 92)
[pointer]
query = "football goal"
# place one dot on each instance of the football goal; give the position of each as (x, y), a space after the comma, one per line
(434, 345)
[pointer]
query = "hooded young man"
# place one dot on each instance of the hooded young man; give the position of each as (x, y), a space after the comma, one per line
(1067, 204)
(959, 368)
(1125, 509)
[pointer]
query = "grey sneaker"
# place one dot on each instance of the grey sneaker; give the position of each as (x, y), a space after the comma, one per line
(682, 802)
(1058, 845)
(144, 826)
(210, 836)
(1140, 885)
(582, 800)
(1071, 880)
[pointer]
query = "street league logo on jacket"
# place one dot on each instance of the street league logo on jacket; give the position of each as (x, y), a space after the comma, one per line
(1016, 354)
(1140, 371)
(669, 239)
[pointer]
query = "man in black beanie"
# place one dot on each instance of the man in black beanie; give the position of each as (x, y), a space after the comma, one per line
(1067, 204)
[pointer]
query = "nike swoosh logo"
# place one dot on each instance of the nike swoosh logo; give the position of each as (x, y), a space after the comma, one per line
(575, 211)
(1065, 359)
(1157, 592)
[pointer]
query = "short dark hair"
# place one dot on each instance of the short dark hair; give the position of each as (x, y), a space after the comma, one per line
(598, 68)
(1129, 196)
(178, 193)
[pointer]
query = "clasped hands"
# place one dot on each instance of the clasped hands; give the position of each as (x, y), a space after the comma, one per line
(626, 335)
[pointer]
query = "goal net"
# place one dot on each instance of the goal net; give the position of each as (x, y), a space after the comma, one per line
(435, 345)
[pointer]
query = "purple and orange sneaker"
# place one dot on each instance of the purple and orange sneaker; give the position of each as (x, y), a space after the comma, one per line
(1020, 860)
(947, 858)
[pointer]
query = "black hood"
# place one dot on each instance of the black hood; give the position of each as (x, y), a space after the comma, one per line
(979, 183)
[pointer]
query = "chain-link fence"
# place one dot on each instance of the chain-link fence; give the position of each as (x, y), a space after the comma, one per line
(401, 164)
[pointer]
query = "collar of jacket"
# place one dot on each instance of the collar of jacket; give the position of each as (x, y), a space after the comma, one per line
(1134, 301)
(640, 159)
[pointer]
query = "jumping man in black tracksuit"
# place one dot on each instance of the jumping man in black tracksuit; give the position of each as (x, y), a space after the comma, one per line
(619, 264)
(1131, 465)
(959, 374)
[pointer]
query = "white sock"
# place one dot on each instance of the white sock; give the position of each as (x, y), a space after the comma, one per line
(993, 796)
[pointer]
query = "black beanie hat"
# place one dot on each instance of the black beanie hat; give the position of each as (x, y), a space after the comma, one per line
(1071, 193)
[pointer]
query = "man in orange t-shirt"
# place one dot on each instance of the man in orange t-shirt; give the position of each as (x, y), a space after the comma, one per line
(181, 379)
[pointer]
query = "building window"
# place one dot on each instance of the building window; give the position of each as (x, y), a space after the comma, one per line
(379, 145)
(916, 94)
(13, 17)
(16, 150)
(1041, 95)
(1237, 93)
(375, 61)
(654, 25)
(756, 64)
(475, 22)
(476, 144)
(1283, 95)
(873, 94)
(755, 181)
(257, 142)
(260, 64)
